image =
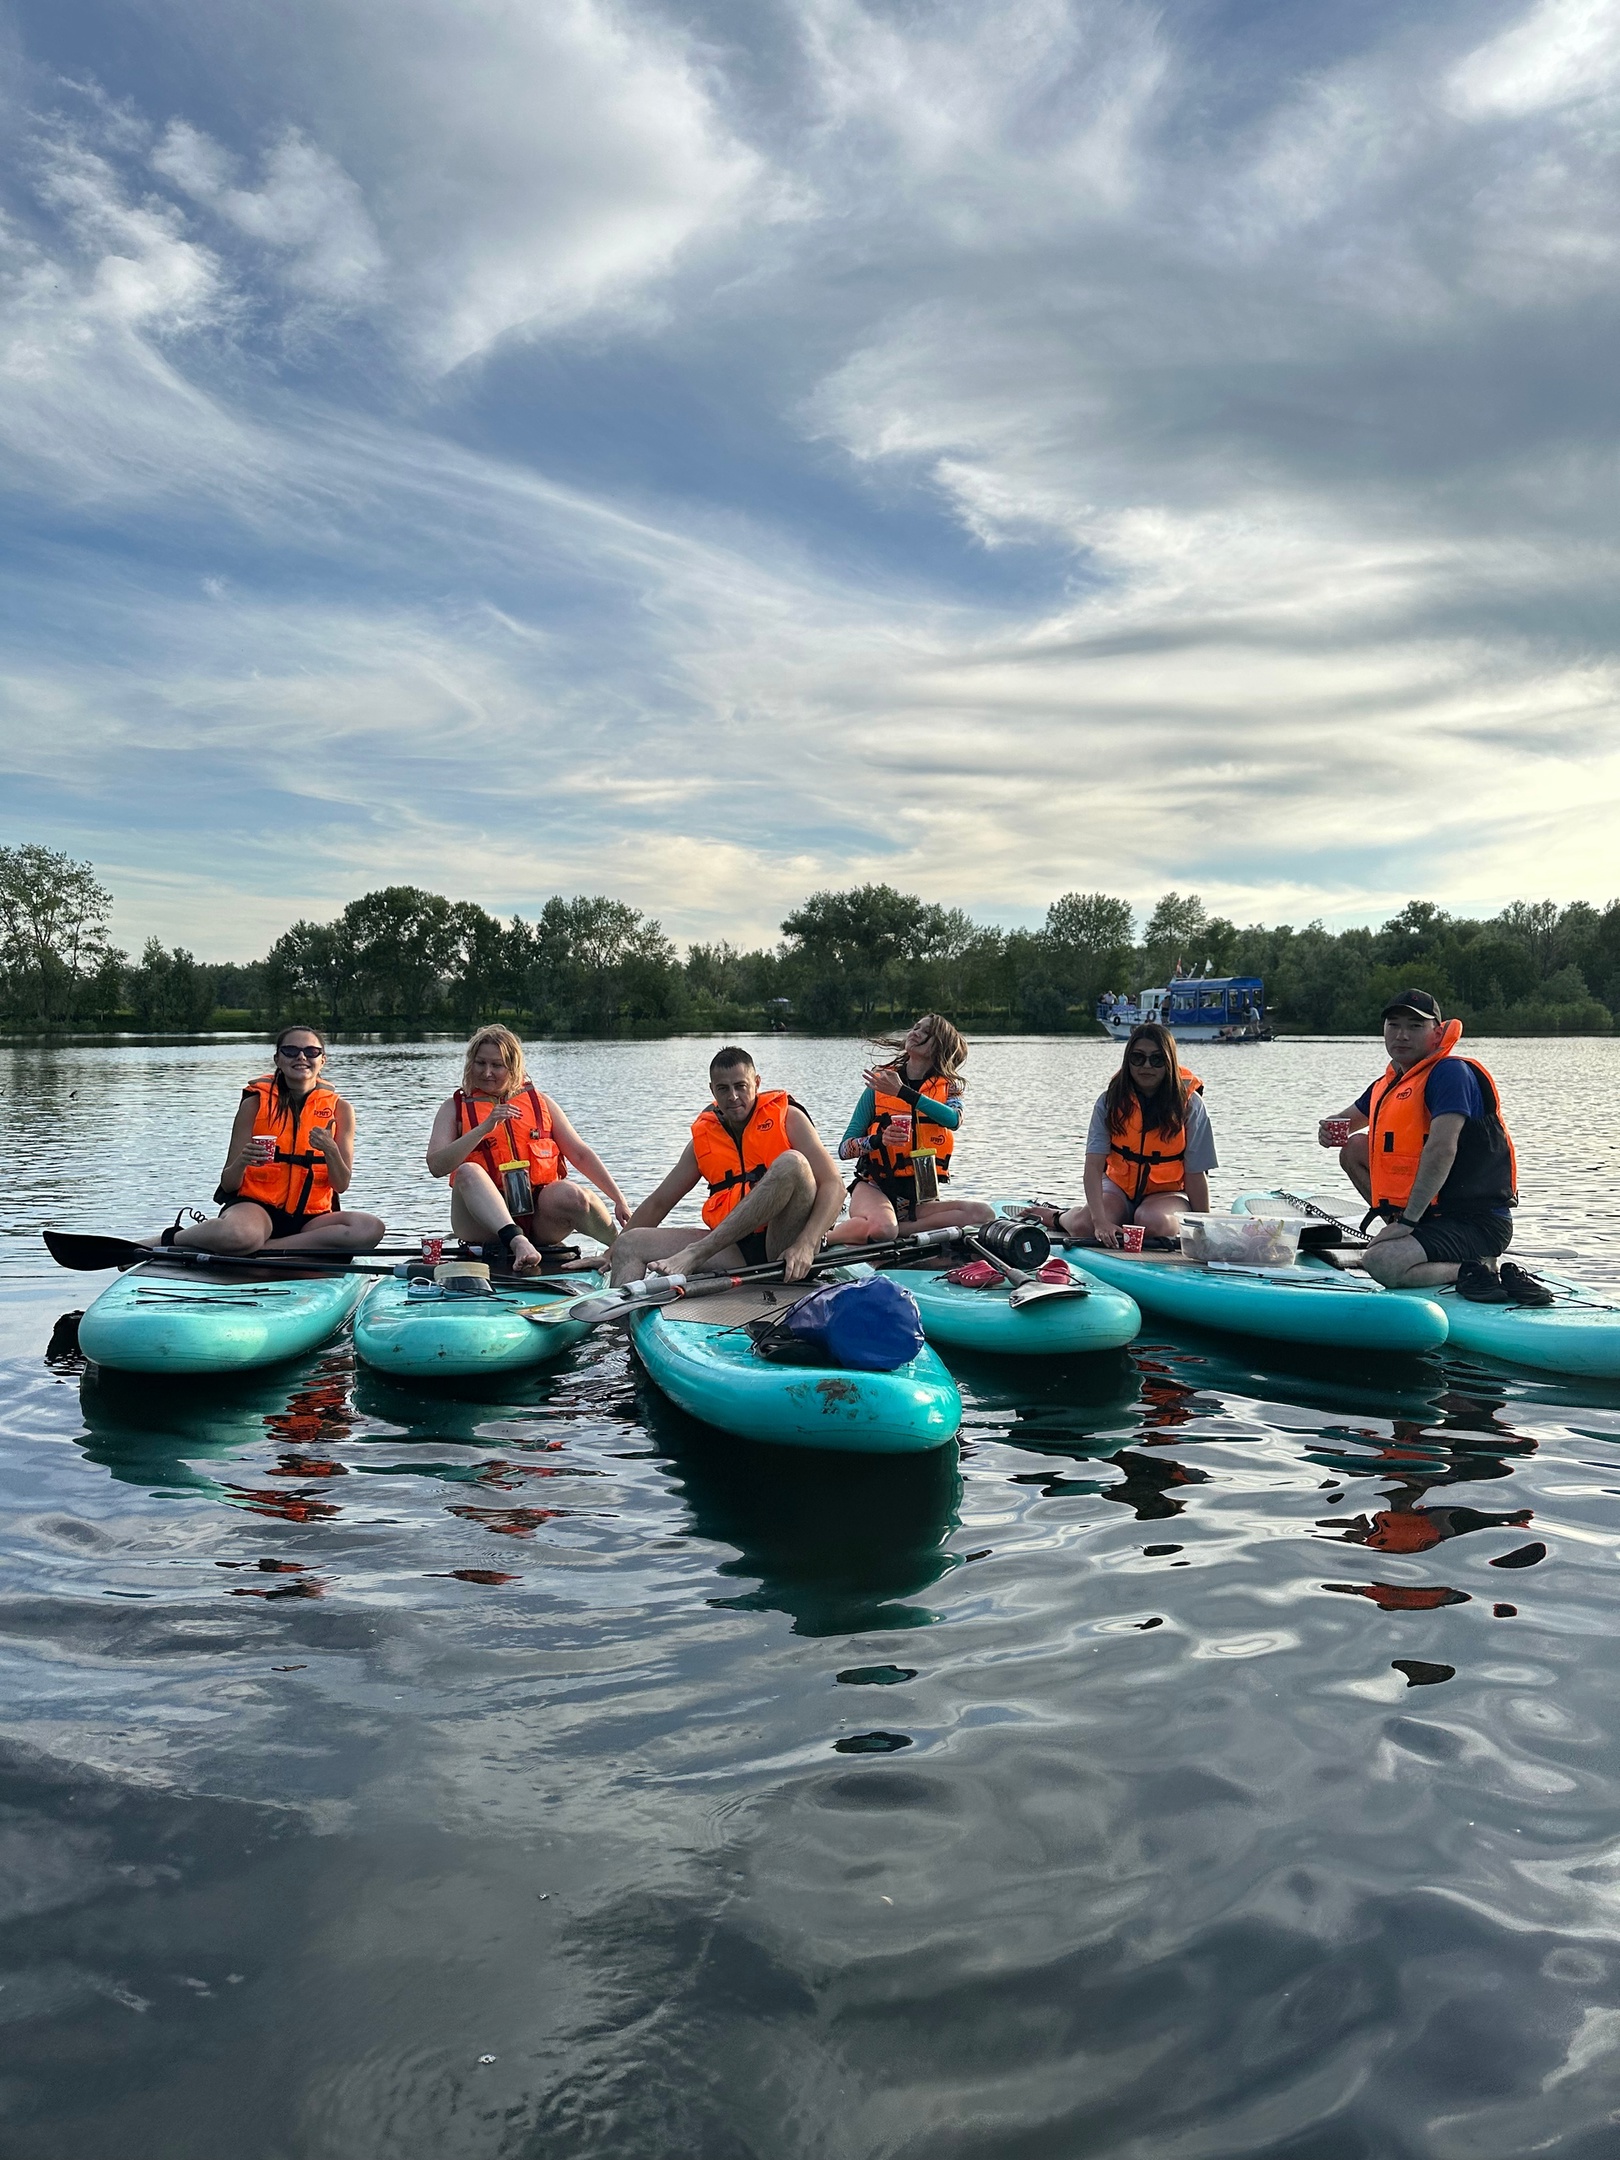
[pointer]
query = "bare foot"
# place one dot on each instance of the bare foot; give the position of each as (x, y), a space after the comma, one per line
(522, 1258)
(675, 1263)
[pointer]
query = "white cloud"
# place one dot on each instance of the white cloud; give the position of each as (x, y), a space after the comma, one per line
(309, 210)
(1561, 51)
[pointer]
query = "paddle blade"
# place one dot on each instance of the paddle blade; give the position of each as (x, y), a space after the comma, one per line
(1031, 1293)
(87, 1255)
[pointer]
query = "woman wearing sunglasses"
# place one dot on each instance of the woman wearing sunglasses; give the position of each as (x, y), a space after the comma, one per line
(1149, 1151)
(291, 1159)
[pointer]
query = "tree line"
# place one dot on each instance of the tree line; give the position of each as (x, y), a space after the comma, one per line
(863, 958)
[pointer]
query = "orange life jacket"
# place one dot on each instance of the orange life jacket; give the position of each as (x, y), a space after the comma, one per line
(523, 1142)
(1486, 1172)
(733, 1164)
(296, 1182)
(1143, 1160)
(894, 1132)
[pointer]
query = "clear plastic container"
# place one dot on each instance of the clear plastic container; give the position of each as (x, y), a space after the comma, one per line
(1250, 1240)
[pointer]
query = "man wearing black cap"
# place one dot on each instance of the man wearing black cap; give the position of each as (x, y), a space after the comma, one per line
(1429, 1153)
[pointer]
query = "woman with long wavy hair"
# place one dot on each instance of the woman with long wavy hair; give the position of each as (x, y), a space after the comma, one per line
(507, 1150)
(911, 1106)
(1149, 1151)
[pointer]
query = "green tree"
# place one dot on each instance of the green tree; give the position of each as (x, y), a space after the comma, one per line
(169, 990)
(598, 964)
(1176, 934)
(310, 968)
(53, 929)
(1088, 942)
(851, 940)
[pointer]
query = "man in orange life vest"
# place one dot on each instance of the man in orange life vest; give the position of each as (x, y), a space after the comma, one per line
(773, 1190)
(1429, 1152)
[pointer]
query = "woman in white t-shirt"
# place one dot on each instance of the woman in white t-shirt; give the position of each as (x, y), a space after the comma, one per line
(1149, 1151)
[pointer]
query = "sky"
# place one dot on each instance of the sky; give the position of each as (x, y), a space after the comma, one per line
(706, 454)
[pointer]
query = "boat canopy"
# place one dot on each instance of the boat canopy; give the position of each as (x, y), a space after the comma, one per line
(1197, 1000)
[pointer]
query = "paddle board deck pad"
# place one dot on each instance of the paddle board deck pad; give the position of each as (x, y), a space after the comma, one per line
(159, 1318)
(701, 1356)
(987, 1321)
(420, 1332)
(1578, 1335)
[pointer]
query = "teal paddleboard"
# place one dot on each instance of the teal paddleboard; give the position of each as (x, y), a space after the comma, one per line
(422, 1333)
(186, 1318)
(1577, 1335)
(987, 1320)
(1298, 1304)
(709, 1367)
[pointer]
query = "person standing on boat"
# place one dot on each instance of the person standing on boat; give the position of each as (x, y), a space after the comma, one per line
(1428, 1151)
(1149, 1150)
(911, 1106)
(773, 1190)
(291, 1159)
(506, 1150)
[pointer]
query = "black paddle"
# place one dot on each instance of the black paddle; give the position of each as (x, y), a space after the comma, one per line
(86, 1254)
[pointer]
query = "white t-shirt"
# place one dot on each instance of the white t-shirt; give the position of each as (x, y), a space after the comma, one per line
(1200, 1139)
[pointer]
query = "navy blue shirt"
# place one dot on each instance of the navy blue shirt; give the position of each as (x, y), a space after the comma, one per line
(1451, 1090)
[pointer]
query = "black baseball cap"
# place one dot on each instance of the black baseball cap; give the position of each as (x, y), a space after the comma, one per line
(1414, 1001)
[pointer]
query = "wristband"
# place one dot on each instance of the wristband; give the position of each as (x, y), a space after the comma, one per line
(1406, 1222)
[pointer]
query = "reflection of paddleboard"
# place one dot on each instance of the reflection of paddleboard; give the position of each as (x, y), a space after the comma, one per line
(1578, 1335)
(703, 1359)
(986, 1320)
(182, 1318)
(443, 1337)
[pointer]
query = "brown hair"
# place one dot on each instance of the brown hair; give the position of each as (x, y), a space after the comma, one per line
(732, 1054)
(1165, 1109)
(946, 1044)
(293, 1027)
(511, 1057)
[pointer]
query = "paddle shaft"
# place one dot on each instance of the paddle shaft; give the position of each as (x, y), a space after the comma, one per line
(655, 1290)
(86, 1254)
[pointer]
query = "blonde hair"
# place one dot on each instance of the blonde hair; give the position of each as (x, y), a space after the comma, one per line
(511, 1051)
(946, 1046)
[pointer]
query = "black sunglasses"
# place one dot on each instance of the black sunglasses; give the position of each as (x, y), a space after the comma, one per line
(311, 1053)
(1146, 1057)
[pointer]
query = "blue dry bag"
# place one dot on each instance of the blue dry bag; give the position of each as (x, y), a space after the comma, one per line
(867, 1326)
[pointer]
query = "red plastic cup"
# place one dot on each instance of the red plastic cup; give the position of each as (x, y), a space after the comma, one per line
(1335, 1132)
(433, 1250)
(1131, 1235)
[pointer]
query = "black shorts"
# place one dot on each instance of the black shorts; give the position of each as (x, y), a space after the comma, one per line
(752, 1248)
(1464, 1237)
(281, 1223)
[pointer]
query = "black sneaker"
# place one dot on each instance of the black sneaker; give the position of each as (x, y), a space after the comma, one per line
(1481, 1285)
(1524, 1288)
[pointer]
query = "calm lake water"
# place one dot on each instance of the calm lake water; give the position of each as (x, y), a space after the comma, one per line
(1215, 1755)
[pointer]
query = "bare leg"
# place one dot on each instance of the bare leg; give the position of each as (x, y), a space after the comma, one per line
(1402, 1264)
(1160, 1213)
(636, 1248)
(948, 1214)
(779, 1204)
(565, 1207)
(1077, 1222)
(242, 1228)
(479, 1213)
(871, 1216)
(337, 1232)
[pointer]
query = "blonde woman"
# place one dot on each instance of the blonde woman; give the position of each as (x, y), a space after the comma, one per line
(506, 1150)
(911, 1104)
